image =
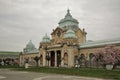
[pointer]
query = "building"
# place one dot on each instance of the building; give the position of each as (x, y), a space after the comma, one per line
(67, 43)
(9, 58)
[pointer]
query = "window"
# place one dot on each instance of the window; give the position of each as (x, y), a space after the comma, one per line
(58, 33)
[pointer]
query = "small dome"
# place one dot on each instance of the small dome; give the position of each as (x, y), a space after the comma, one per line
(30, 45)
(70, 34)
(30, 48)
(45, 39)
(68, 20)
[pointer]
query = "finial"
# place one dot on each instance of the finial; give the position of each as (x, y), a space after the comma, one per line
(30, 40)
(68, 11)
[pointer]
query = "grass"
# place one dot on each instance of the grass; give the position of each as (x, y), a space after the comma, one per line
(10, 67)
(88, 72)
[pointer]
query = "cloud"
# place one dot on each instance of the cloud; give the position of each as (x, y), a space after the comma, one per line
(24, 20)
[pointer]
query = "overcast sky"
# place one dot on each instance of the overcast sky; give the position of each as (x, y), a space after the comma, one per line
(24, 20)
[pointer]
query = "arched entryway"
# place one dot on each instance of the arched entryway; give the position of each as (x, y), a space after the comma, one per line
(91, 60)
(82, 60)
(65, 59)
(91, 55)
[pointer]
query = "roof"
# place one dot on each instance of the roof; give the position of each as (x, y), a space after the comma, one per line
(9, 53)
(100, 43)
(33, 51)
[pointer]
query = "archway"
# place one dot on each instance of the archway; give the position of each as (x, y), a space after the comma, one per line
(65, 59)
(91, 55)
(82, 60)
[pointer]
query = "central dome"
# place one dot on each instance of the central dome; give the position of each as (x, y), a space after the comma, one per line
(68, 21)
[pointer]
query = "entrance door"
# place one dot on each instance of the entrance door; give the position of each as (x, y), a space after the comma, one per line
(52, 58)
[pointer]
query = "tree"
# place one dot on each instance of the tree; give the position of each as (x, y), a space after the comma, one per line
(48, 58)
(108, 55)
(36, 59)
(82, 60)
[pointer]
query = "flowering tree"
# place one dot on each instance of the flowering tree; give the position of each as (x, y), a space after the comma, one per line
(109, 55)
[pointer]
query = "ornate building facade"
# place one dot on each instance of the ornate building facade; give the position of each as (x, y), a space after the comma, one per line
(67, 43)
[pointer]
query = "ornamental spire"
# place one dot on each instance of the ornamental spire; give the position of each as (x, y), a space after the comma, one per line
(68, 13)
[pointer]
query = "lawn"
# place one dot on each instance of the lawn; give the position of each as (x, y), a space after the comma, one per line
(89, 72)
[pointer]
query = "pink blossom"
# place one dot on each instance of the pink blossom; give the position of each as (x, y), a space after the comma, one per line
(108, 55)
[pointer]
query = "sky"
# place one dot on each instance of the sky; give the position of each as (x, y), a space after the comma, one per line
(25, 20)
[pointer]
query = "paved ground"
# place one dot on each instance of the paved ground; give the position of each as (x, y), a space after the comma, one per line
(6, 74)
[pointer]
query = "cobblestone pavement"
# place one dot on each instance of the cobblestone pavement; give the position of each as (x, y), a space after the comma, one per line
(6, 74)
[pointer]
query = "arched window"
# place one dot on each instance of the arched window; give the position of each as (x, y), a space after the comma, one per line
(41, 59)
(91, 55)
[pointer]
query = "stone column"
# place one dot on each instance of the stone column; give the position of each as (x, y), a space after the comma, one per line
(55, 58)
(50, 59)
(62, 57)
(44, 59)
(70, 57)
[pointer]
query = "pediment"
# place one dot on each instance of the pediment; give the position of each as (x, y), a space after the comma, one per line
(56, 30)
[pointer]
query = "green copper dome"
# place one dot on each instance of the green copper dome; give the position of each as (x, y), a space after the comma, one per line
(46, 39)
(30, 45)
(68, 20)
(30, 48)
(70, 34)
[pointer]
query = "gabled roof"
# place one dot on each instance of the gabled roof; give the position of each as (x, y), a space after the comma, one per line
(100, 43)
(56, 30)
